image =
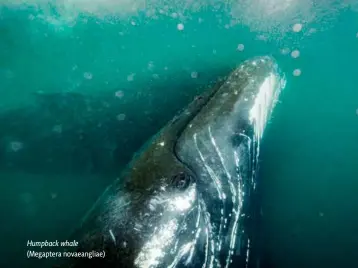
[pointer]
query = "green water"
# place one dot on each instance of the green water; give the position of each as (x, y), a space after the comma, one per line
(309, 161)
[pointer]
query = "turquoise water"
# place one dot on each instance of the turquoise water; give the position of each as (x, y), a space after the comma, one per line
(132, 56)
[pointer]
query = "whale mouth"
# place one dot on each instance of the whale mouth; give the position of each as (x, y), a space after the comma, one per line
(221, 145)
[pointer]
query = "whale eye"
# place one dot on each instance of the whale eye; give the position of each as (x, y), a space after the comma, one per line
(181, 181)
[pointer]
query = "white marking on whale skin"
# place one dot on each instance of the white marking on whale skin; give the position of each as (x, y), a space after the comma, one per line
(154, 202)
(183, 250)
(259, 112)
(199, 214)
(182, 202)
(236, 212)
(222, 161)
(236, 192)
(174, 249)
(195, 239)
(162, 143)
(264, 103)
(151, 207)
(112, 236)
(164, 235)
(206, 248)
(138, 226)
(247, 253)
(249, 142)
(193, 246)
(233, 192)
(209, 244)
(154, 250)
(212, 259)
(222, 164)
(219, 189)
(233, 235)
(209, 169)
(116, 206)
(178, 202)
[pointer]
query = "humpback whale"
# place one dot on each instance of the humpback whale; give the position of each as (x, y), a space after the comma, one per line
(186, 199)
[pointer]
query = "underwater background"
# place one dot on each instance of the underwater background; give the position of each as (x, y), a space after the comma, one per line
(83, 84)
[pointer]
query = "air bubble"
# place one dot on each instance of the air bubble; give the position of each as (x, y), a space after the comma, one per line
(121, 117)
(180, 26)
(240, 47)
(295, 54)
(296, 72)
(194, 75)
(297, 27)
(16, 146)
(150, 66)
(119, 94)
(88, 75)
(130, 77)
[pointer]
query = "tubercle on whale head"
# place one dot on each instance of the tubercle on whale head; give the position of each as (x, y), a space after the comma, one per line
(155, 215)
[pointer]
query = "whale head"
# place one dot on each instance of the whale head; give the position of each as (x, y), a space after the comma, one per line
(185, 200)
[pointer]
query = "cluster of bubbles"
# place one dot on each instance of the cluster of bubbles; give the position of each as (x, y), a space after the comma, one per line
(271, 16)
(296, 53)
(271, 19)
(285, 51)
(275, 17)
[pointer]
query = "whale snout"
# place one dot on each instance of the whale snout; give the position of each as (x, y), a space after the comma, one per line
(244, 102)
